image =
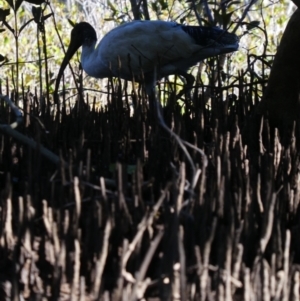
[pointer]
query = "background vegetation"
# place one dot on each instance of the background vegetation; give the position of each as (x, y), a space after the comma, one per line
(28, 48)
(99, 203)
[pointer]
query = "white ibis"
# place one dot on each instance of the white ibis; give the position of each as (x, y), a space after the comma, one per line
(147, 50)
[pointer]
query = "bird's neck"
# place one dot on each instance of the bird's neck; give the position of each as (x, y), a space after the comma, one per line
(92, 62)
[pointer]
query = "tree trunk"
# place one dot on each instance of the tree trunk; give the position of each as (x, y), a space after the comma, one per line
(281, 98)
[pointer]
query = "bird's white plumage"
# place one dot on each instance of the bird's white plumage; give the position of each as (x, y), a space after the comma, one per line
(141, 45)
(146, 50)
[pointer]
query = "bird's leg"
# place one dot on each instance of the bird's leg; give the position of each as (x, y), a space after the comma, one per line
(154, 104)
(189, 78)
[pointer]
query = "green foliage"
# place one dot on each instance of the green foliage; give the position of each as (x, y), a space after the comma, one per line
(29, 33)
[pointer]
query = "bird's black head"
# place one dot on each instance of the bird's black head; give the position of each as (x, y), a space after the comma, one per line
(82, 34)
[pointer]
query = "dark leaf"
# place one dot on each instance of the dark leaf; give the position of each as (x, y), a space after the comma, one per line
(112, 7)
(3, 14)
(234, 3)
(226, 19)
(72, 23)
(52, 81)
(37, 13)
(217, 16)
(11, 3)
(205, 22)
(47, 16)
(154, 6)
(182, 20)
(223, 76)
(163, 4)
(2, 58)
(252, 25)
(18, 4)
(36, 2)
(121, 17)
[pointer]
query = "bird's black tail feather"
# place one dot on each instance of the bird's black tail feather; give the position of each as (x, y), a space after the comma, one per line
(206, 36)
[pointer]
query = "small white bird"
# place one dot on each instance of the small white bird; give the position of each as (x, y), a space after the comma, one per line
(147, 50)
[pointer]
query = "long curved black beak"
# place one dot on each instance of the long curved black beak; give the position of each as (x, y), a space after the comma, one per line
(73, 47)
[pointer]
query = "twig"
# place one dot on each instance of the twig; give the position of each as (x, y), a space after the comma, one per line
(7, 129)
(268, 223)
(17, 112)
(100, 264)
(244, 15)
(140, 285)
